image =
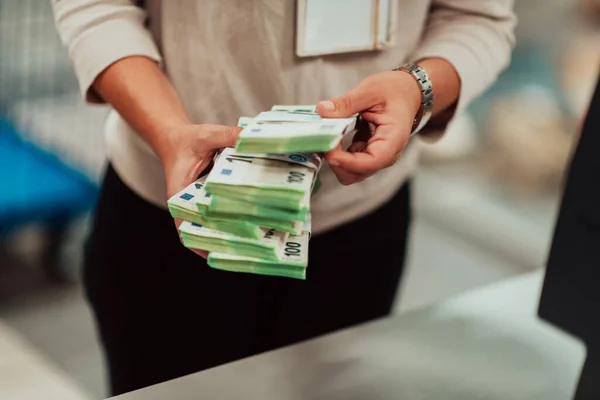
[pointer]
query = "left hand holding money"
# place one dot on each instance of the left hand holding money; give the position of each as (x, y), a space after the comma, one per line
(187, 150)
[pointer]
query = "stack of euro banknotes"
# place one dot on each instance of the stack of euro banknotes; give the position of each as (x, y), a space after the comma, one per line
(252, 211)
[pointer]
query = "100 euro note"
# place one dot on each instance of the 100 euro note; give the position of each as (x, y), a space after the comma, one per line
(306, 109)
(191, 205)
(292, 132)
(291, 262)
(267, 247)
(296, 109)
(225, 206)
(229, 214)
(266, 182)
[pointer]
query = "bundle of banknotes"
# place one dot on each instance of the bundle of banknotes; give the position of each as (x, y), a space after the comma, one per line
(295, 129)
(252, 211)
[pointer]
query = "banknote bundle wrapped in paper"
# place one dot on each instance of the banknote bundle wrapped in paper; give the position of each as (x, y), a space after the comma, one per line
(296, 129)
(191, 205)
(200, 237)
(276, 187)
(252, 211)
(291, 261)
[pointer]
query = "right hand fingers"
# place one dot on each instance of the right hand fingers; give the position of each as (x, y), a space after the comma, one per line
(347, 178)
(343, 176)
(381, 151)
(363, 97)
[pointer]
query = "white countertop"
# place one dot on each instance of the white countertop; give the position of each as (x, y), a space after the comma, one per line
(485, 344)
(26, 374)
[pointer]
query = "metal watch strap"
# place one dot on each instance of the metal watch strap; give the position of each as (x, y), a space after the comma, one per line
(424, 82)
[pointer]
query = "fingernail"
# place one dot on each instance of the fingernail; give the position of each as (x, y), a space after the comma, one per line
(334, 163)
(327, 105)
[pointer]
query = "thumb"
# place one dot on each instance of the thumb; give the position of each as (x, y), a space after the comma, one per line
(220, 136)
(355, 101)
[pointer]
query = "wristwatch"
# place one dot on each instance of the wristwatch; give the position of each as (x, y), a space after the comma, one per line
(426, 109)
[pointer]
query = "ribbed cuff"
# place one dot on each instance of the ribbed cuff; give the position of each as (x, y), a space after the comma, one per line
(107, 43)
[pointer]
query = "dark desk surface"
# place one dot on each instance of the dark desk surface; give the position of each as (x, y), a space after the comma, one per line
(485, 344)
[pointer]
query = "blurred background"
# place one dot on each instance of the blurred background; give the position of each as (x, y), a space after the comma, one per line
(485, 197)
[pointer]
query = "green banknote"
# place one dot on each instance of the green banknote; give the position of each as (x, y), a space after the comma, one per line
(191, 204)
(291, 262)
(292, 132)
(243, 121)
(223, 208)
(296, 109)
(267, 182)
(267, 247)
(307, 109)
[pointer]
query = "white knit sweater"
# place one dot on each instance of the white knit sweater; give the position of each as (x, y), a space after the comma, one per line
(231, 58)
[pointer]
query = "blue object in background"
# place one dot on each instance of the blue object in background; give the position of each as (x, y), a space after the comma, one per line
(37, 187)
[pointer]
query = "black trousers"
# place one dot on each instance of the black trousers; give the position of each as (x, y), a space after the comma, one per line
(163, 313)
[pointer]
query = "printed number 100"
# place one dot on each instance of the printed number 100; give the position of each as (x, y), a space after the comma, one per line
(295, 177)
(292, 249)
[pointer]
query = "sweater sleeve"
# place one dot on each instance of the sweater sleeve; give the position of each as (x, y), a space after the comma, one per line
(476, 37)
(98, 33)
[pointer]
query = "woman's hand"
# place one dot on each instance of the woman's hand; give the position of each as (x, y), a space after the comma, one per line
(388, 102)
(144, 97)
(189, 152)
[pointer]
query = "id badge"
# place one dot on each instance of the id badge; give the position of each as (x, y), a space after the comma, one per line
(344, 26)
